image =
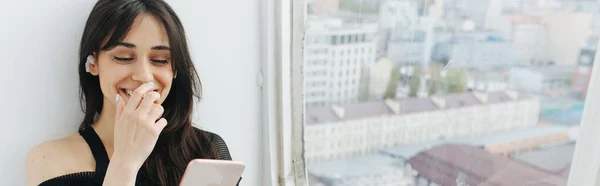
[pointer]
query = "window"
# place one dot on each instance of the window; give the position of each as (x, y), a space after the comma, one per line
(456, 111)
(583, 69)
(580, 81)
(586, 59)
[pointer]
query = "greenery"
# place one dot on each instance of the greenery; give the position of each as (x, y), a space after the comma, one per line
(414, 83)
(358, 6)
(392, 87)
(437, 84)
(454, 81)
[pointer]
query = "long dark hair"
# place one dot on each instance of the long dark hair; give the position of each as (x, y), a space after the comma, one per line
(179, 142)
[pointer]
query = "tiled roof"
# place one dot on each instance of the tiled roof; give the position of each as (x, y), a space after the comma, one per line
(316, 115)
(451, 163)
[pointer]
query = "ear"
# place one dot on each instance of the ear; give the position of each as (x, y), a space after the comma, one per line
(94, 66)
(94, 69)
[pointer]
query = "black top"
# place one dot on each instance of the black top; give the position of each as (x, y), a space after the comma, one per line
(101, 156)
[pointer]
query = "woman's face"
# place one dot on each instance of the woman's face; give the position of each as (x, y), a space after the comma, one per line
(142, 57)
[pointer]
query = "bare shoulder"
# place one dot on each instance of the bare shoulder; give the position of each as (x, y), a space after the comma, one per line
(58, 157)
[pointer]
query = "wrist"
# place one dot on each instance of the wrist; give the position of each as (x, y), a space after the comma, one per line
(120, 172)
(123, 164)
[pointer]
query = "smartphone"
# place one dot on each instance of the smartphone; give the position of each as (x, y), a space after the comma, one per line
(207, 172)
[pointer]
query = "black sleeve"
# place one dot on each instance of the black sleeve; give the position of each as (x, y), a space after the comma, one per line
(219, 145)
(221, 148)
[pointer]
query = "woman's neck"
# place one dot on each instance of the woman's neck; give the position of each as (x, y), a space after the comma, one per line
(104, 126)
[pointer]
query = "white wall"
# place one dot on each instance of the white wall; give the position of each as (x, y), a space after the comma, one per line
(38, 78)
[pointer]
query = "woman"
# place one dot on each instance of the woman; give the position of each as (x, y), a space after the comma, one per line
(138, 85)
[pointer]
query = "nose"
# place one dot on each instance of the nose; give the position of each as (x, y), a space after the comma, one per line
(142, 71)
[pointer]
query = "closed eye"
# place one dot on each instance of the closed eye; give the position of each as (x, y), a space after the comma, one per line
(160, 61)
(122, 59)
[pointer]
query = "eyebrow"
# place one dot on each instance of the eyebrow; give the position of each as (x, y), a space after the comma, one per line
(158, 47)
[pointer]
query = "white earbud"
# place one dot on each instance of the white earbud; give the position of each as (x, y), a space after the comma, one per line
(88, 62)
(175, 76)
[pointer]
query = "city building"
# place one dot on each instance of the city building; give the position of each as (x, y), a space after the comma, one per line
(588, 6)
(374, 169)
(336, 53)
(583, 72)
(550, 37)
(488, 80)
(525, 6)
(323, 7)
(505, 143)
(568, 33)
(352, 130)
(379, 78)
(400, 17)
(529, 36)
(406, 51)
(578, 5)
(548, 81)
(478, 54)
(460, 164)
(478, 12)
(397, 20)
(481, 49)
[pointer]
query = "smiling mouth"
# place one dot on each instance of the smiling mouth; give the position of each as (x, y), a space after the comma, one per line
(128, 92)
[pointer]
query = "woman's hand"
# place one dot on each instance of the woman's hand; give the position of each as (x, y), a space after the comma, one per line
(136, 127)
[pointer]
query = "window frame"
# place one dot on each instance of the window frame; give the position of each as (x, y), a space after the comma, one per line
(281, 95)
(585, 167)
(283, 56)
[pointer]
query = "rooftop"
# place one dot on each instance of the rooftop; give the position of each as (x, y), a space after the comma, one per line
(408, 151)
(452, 163)
(355, 167)
(554, 70)
(317, 115)
(556, 159)
(340, 23)
(313, 181)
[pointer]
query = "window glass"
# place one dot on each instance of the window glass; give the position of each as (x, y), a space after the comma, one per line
(490, 81)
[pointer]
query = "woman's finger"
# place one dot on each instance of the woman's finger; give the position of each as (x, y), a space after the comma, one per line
(160, 125)
(119, 107)
(148, 100)
(137, 96)
(156, 112)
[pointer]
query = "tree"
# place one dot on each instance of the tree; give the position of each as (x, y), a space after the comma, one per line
(414, 83)
(357, 6)
(436, 83)
(456, 81)
(392, 87)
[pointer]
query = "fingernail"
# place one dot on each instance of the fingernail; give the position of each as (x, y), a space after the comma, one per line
(151, 83)
(117, 98)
